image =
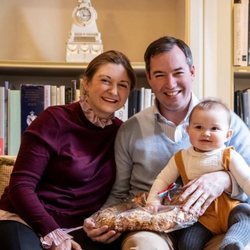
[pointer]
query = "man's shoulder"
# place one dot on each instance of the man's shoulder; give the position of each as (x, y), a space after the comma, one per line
(140, 121)
(146, 114)
(236, 121)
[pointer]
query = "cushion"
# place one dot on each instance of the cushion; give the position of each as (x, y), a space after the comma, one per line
(6, 167)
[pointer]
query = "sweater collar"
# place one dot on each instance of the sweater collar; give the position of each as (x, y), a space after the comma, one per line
(158, 115)
(91, 116)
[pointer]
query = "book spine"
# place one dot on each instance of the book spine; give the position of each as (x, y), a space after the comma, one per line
(152, 99)
(142, 92)
(147, 98)
(248, 55)
(53, 95)
(2, 120)
(133, 102)
(47, 96)
(14, 121)
(77, 95)
(68, 95)
(32, 103)
(237, 102)
(245, 108)
(248, 102)
(74, 86)
(122, 113)
(241, 32)
(61, 95)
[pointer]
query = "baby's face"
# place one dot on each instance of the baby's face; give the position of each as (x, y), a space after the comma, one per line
(208, 129)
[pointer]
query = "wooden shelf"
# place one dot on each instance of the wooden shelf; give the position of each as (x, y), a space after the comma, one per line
(241, 72)
(51, 68)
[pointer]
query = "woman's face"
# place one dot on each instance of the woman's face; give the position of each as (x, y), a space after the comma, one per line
(108, 90)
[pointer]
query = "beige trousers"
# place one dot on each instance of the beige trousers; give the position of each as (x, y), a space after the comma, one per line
(143, 240)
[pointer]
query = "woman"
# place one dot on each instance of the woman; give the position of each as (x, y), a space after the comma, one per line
(65, 167)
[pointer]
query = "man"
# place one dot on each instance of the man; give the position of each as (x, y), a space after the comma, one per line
(146, 142)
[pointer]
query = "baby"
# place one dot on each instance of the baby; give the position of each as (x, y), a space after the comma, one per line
(209, 129)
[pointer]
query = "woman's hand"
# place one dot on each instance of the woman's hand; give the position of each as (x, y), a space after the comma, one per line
(201, 192)
(67, 245)
(102, 234)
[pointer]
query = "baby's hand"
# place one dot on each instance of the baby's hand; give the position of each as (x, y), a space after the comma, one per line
(153, 207)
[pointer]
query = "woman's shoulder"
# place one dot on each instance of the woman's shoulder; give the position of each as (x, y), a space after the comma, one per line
(56, 115)
(67, 110)
(63, 108)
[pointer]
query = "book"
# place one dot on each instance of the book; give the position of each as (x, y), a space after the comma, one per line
(14, 121)
(245, 107)
(47, 96)
(2, 120)
(142, 95)
(77, 95)
(248, 55)
(240, 25)
(74, 87)
(61, 95)
(152, 99)
(69, 93)
(53, 95)
(238, 109)
(122, 113)
(32, 103)
(133, 102)
(147, 98)
(248, 95)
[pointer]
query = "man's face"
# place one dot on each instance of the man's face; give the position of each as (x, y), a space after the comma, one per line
(171, 79)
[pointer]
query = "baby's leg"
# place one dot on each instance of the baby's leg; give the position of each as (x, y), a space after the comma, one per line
(238, 234)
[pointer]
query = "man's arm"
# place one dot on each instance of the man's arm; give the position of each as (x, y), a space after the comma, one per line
(240, 171)
(124, 166)
(201, 192)
(241, 143)
(240, 139)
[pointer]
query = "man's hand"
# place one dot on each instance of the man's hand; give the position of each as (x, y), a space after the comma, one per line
(102, 234)
(201, 192)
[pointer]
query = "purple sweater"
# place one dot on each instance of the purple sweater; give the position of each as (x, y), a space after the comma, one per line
(64, 170)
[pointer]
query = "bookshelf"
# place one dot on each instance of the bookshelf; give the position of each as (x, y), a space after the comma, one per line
(52, 73)
(17, 72)
(213, 51)
(241, 68)
(241, 78)
(241, 92)
(39, 58)
(57, 74)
